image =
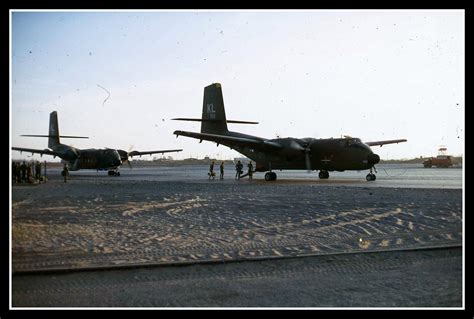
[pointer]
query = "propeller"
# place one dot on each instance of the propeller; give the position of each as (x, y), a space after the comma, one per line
(128, 161)
(305, 147)
(124, 156)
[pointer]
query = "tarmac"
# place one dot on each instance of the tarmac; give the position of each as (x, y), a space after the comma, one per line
(102, 241)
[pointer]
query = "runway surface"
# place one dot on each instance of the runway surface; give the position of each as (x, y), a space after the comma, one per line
(146, 218)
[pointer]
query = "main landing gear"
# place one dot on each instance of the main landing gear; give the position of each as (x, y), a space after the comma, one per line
(270, 176)
(371, 176)
(113, 173)
(323, 174)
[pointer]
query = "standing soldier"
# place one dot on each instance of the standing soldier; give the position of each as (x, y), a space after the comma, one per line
(38, 171)
(65, 173)
(13, 172)
(238, 168)
(23, 172)
(222, 170)
(211, 171)
(250, 172)
(29, 173)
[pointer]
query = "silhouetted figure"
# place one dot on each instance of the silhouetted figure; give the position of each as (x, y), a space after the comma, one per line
(14, 172)
(38, 171)
(222, 170)
(250, 172)
(211, 174)
(65, 173)
(23, 172)
(238, 168)
(29, 173)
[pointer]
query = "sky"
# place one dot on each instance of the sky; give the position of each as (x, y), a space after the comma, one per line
(119, 77)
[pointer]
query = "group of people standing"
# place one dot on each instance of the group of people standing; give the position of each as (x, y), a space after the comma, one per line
(26, 172)
(238, 168)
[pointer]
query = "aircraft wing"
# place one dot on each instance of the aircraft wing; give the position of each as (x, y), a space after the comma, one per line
(32, 150)
(381, 143)
(231, 140)
(135, 153)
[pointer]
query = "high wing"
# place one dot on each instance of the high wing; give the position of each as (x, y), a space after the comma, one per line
(213, 120)
(231, 140)
(381, 143)
(32, 150)
(135, 153)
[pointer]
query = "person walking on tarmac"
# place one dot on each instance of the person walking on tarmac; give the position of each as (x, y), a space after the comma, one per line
(238, 168)
(250, 172)
(212, 175)
(65, 173)
(222, 170)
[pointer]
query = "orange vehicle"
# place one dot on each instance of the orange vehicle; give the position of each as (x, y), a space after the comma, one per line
(442, 160)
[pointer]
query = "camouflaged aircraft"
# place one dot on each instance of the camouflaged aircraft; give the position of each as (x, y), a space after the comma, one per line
(326, 155)
(76, 159)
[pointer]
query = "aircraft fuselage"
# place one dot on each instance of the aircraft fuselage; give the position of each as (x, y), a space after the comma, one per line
(101, 159)
(333, 154)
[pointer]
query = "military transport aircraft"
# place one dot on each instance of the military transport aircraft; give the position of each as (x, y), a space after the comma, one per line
(325, 155)
(99, 159)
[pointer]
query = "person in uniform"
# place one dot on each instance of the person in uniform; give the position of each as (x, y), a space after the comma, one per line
(23, 172)
(212, 175)
(222, 170)
(238, 168)
(38, 171)
(65, 173)
(250, 167)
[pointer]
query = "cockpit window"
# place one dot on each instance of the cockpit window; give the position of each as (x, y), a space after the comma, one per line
(351, 141)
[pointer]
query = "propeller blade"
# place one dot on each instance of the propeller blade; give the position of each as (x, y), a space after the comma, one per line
(129, 164)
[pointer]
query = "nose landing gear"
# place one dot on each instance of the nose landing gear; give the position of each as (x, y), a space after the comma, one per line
(371, 176)
(323, 174)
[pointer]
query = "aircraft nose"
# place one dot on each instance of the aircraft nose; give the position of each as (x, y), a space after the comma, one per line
(373, 159)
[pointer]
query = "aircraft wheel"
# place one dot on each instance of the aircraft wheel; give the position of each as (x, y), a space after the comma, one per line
(323, 174)
(370, 177)
(270, 176)
(118, 173)
(111, 173)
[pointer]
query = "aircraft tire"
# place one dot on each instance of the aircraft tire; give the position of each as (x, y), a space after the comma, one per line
(370, 177)
(270, 176)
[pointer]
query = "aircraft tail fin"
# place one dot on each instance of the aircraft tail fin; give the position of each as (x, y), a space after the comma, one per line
(53, 138)
(213, 112)
(213, 120)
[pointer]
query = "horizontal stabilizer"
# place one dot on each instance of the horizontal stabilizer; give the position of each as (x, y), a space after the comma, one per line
(213, 120)
(64, 136)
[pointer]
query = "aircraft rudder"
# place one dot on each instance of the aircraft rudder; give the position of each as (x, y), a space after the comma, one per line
(53, 138)
(213, 111)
